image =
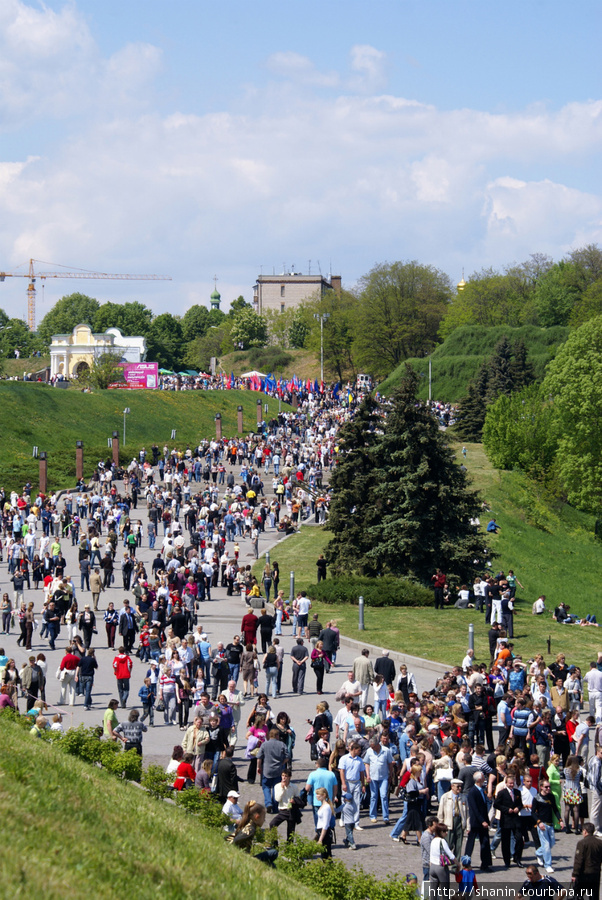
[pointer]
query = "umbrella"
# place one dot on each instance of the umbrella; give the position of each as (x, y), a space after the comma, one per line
(165, 372)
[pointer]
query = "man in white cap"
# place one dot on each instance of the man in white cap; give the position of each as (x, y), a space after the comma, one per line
(453, 812)
(231, 807)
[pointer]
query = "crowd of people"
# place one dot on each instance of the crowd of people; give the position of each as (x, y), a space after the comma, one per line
(497, 752)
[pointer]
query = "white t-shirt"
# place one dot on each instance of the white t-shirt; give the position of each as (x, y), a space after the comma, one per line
(304, 606)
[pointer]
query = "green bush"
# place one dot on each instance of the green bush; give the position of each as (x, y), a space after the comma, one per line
(385, 591)
(204, 805)
(82, 742)
(157, 782)
(269, 359)
(127, 765)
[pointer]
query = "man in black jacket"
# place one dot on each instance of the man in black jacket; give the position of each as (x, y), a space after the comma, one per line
(478, 816)
(543, 809)
(509, 803)
(586, 866)
(385, 667)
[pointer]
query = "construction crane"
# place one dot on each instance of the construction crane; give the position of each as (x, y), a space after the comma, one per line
(32, 275)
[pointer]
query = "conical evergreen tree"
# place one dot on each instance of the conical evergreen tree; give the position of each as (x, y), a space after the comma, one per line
(500, 370)
(470, 418)
(351, 509)
(421, 500)
(521, 370)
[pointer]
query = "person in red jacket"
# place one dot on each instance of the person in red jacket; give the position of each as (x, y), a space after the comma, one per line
(249, 626)
(122, 666)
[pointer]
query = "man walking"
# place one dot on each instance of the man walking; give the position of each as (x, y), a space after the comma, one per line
(478, 815)
(122, 666)
(353, 777)
(586, 866)
(379, 769)
(509, 803)
(364, 673)
(453, 813)
(271, 762)
(299, 656)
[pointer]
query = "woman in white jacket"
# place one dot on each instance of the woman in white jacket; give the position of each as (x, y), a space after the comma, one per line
(440, 851)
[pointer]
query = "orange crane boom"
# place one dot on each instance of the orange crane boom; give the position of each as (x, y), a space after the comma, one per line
(83, 273)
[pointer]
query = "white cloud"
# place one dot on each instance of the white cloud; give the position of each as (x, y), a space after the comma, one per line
(348, 171)
(369, 64)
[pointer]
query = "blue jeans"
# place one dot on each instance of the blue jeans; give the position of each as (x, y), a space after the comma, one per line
(278, 622)
(271, 676)
(267, 786)
(547, 840)
(294, 625)
(123, 689)
(86, 681)
(234, 671)
(443, 787)
(349, 834)
(380, 786)
(52, 633)
(400, 824)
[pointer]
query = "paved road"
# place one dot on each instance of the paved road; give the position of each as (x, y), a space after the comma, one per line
(221, 619)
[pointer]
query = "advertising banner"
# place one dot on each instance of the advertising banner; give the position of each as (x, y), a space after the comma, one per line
(138, 376)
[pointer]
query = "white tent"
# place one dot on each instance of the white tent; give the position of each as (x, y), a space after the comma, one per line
(253, 374)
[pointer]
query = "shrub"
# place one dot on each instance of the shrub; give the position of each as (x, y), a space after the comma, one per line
(82, 742)
(385, 591)
(127, 765)
(269, 359)
(157, 782)
(204, 805)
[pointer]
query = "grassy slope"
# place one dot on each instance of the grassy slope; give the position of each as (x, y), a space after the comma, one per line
(457, 360)
(79, 831)
(16, 367)
(563, 563)
(54, 419)
(305, 364)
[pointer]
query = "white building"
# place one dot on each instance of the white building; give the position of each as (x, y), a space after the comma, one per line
(70, 354)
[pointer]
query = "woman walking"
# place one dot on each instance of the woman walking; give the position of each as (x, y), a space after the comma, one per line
(6, 608)
(440, 860)
(318, 663)
(325, 822)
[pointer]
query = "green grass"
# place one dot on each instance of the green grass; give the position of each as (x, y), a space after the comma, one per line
(456, 362)
(53, 420)
(561, 562)
(16, 367)
(78, 830)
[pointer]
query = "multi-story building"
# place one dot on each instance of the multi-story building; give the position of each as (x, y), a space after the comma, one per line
(282, 292)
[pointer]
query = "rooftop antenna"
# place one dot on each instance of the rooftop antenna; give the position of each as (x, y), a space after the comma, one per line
(319, 267)
(309, 266)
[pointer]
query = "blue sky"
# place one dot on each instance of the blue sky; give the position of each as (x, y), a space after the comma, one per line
(193, 139)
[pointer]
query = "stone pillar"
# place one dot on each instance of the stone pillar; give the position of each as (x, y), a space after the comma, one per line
(259, 413)
(116, 447)
(79, 459)
(240, 420)
(295, 402)
(43, 472)
(218, 426)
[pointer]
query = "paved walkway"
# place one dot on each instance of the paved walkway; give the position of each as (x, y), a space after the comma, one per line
(221, 619)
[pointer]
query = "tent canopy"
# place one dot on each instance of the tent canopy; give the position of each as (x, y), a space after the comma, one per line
(253, 374)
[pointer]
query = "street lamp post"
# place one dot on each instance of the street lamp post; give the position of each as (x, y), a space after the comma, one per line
(126, 411)
(321, 318)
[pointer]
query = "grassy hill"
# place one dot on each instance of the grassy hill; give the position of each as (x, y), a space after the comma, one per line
(302, 363)
(53, 420)
(552, 549)
(456, 362)
(77, 830)
(14, 368)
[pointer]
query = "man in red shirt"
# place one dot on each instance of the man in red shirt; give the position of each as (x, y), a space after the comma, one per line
(249, 626)
(439, 581)
(122, 666)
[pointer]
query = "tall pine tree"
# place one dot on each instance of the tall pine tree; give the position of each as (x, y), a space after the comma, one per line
(351, 483)
(420, 503)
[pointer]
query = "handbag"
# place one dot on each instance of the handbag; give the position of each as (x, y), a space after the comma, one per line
(443, 858)
(160, 707)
